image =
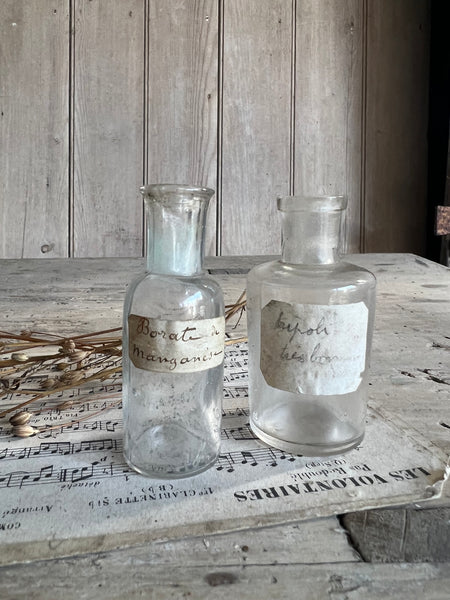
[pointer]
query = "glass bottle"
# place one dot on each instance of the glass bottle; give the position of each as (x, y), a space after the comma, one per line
(173, 342)
(310, 322)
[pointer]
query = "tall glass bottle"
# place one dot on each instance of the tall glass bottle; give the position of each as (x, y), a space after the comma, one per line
(173, 342)
(310, 322)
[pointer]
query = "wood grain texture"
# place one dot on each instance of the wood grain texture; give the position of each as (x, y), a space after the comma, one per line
(254, 98)
(256, 139)
(34, 136)
(182, 96)
(115, 576)
(401, 535)
(108, 127)
(396, 126)
(328, 104)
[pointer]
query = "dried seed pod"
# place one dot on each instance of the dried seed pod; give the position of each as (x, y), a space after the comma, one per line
(48, 384)
(64, 405)
(71, 377)
(68, 346)
(20, 418)
(77, 356)
(24, 431)
(4, 385)
(14, 384)
(20, 356)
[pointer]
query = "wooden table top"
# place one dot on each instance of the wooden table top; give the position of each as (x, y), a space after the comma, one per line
(389, 553)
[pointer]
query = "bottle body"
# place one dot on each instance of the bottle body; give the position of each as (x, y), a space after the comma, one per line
(173, 348)
(310, 329)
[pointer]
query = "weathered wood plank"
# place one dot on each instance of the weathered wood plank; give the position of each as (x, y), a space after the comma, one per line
(113, 576)
(401, 535)
(107, 128)
(256, 105)
(306, 543)
(328, 104)
(182, 96)
(34, 91)
(396, 126)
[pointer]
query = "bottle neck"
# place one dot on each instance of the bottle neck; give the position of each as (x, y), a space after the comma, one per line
(175, 220)
(311, 231)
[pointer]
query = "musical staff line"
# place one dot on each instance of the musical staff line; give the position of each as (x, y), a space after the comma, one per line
(269, 457)
(100, 469)
(238, 433)
(235, 392)
(46, 449)
(112, 425)
(51, 474)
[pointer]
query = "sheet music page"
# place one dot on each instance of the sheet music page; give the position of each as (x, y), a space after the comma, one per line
(69, 490)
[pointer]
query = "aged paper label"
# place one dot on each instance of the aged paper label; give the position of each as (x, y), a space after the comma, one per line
(176, 346)
(313, 349)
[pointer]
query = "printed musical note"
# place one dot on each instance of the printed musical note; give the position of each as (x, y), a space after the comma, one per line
(235, 392)
(238, 433)
(45, 472)
(248, 458)
(82, 474)
(235, 412)
(225, 462)
(228, 461)
(111, 425)
(97, 425)
(236, 376)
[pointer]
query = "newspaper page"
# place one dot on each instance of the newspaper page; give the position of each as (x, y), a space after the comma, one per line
(68, 490)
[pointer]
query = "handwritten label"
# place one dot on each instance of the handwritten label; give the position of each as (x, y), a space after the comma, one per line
(176, 346)
(313, 349)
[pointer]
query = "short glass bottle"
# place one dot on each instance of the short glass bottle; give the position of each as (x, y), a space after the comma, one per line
(173, 342)
(310, 323)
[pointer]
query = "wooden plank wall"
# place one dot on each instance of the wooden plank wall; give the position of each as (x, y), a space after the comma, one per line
(34, 135)
(255, 98)
(107, 124)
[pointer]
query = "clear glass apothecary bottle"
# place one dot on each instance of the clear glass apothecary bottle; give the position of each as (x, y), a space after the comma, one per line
(310, 322)
(173, 342)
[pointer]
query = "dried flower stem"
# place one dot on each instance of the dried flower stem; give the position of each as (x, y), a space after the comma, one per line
(236, 341)
(105, 374)
(232, 309)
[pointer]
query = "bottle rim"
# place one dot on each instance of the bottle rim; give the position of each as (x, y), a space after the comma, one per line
(311, 203)
(187, 192)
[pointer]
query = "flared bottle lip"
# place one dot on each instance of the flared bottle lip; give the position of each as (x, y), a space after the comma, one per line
(311, 203)
(180, 190)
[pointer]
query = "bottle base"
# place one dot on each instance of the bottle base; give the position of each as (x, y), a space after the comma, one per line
(307, 449)
(169, 451)
(157, 472)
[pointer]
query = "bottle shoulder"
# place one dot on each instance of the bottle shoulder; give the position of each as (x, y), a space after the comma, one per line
(288, 275)
(174, 283)
(175, 297)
